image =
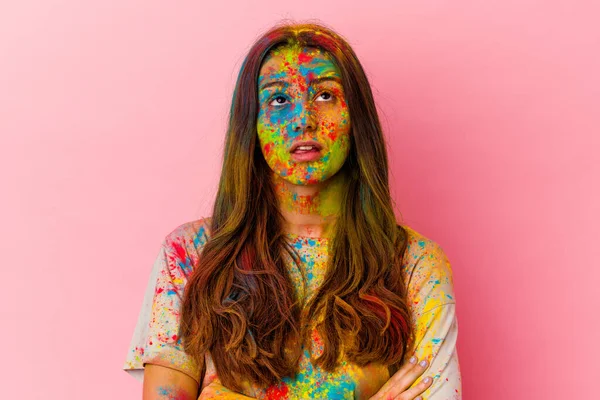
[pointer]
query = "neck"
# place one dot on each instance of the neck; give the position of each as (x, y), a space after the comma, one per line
(310, 210)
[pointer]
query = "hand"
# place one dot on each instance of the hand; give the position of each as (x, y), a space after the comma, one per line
(395, 387)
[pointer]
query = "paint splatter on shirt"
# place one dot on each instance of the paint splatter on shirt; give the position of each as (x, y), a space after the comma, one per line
(430, 295)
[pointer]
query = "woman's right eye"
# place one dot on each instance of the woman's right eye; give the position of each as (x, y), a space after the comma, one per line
(278, 101)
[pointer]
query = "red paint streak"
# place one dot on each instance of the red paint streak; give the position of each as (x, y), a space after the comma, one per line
(332, 134)
(248, 256)
(268, 148)
(179, 250)
(397, 322)
(276, 392)
(304, 58)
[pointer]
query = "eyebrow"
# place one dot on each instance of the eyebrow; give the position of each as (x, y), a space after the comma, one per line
(313, 82)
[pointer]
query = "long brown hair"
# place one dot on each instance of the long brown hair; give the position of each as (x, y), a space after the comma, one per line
(240, 303)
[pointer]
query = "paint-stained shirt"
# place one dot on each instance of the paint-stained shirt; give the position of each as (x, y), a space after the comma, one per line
(430, 296)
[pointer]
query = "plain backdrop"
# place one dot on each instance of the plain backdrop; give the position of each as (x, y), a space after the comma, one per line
(112, 119)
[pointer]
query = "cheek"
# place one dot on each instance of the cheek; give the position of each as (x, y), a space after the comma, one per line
(272, 144)
(268, 134)
(335, 124)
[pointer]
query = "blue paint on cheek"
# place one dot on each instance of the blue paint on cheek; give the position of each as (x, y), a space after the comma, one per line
(275, 118)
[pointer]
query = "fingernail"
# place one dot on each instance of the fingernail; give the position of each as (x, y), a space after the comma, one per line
(413, 360)
(427, 380)
(419, 398)
(423, 363)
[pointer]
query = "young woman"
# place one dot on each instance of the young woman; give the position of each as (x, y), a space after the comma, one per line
(302, 284)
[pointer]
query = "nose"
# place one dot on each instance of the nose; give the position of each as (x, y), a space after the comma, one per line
(304, 121)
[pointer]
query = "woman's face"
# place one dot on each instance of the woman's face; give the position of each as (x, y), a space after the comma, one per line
(301, 99)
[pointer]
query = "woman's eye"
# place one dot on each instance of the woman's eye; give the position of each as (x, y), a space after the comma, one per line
(328, 96)
(278, 101)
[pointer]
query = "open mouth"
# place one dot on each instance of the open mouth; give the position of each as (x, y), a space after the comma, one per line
(306, 151)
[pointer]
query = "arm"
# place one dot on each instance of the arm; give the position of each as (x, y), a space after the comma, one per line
(168, 372)
(431, 296)
(162, 383)
(436, 335)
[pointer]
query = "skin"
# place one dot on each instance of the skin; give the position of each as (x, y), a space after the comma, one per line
(162, 383)
(301, 98)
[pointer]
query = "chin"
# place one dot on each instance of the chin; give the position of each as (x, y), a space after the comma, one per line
(304, 181)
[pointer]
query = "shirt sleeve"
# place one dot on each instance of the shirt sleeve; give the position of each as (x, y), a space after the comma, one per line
(155, 339)
(133, 362)
(431, 296)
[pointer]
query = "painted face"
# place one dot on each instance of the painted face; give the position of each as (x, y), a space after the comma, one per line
(302, 100)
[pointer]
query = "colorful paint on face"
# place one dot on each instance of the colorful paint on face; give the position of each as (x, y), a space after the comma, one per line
(324, 202)
(301, 97)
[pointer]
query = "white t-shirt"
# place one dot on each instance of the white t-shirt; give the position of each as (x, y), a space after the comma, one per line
(430, 296)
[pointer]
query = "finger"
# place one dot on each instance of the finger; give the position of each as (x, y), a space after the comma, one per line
(413, 392)
(403, 379)
(403, 370)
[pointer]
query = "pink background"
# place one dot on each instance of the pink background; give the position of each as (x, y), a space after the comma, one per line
(112, 118)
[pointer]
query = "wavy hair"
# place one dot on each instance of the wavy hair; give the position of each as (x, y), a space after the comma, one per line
(240, 304)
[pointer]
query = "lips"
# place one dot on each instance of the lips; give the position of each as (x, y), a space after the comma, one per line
(304, 151)
(304, 146)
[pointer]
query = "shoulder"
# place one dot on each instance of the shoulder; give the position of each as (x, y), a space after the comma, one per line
(428, 272)
(192, 235)
(183, 244)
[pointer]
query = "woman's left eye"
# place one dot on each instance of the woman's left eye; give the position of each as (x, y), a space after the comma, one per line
(327, 94)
